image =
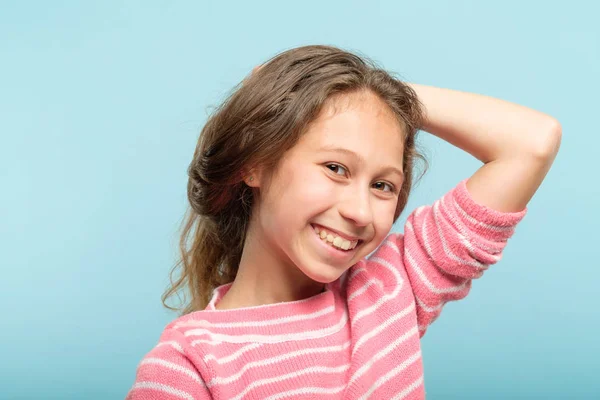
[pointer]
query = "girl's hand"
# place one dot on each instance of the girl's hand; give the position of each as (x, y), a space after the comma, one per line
(254, 70)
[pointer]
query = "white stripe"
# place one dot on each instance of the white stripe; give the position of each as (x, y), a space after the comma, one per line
(466, 233)
(174, 367)
(306, 391)
(496, 228)
(205, 341)
(293, 375)
(463, 234)
(374, 332)
(392, 373)
(355, 272)
(449, 253)
(173, 344)
(234, 356)
(162, 388)
(314, 334)
(413, 264)
(427, 308)
(418, 210)
(385, 297)
(381, 354)
(267, 322)
(408, 389)
(494, 254)
(386, 242)
(211, 304)
(275, 360)
(392, 244)
(364, 288)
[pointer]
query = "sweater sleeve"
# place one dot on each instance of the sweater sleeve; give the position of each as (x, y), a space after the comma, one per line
(449, 243)
(166, 373)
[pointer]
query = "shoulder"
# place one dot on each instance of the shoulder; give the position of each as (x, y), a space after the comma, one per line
(176, 342)
(171, 368)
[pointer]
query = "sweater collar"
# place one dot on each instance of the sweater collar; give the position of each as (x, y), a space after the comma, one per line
(314, 317)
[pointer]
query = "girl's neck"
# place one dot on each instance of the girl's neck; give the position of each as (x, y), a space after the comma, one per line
(246, 293)
(262, 278)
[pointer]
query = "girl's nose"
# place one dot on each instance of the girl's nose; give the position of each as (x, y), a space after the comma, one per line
(356, 207)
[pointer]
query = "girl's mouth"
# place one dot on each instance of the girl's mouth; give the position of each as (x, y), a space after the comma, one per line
(334, 240)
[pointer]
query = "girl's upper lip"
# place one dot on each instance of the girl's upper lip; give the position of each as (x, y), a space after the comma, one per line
(340, 234)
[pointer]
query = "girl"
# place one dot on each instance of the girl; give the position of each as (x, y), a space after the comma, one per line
(297, 178)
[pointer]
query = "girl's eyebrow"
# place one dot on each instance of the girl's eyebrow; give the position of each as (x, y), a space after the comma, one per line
(360, 159)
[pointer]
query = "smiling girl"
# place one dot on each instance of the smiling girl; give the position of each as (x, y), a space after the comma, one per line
(296, 179)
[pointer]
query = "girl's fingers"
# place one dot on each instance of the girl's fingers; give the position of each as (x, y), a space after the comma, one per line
(253, 71)
(258, 67)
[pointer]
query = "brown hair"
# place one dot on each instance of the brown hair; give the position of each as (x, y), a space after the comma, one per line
(263, 118)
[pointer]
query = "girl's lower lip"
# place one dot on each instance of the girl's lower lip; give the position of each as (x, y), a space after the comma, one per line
(332, 252)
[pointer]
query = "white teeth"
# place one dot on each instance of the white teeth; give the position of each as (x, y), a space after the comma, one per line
(336, 241)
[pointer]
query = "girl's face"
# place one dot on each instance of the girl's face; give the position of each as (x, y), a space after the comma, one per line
(340, 182)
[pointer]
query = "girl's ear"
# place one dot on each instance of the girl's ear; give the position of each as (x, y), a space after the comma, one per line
(253, 177)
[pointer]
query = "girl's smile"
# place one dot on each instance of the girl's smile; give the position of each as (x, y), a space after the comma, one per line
(334, 246)
(335, 238)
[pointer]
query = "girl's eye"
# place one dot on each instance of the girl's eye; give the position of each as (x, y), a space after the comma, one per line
(337, 169)
(382, 186)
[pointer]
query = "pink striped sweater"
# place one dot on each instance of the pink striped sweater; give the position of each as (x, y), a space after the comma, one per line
(359, 339)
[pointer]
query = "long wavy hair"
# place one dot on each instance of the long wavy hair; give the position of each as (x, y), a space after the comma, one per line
(260, 120)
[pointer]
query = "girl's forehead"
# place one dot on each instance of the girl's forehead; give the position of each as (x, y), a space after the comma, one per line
(364, 100)
(360, 121)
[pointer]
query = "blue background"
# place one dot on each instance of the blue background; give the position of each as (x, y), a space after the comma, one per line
(101, 104)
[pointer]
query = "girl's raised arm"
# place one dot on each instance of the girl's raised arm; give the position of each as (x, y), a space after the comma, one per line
(516, 144)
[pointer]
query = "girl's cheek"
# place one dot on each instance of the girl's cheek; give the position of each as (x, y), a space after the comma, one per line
(384, 217)
(318, 185)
